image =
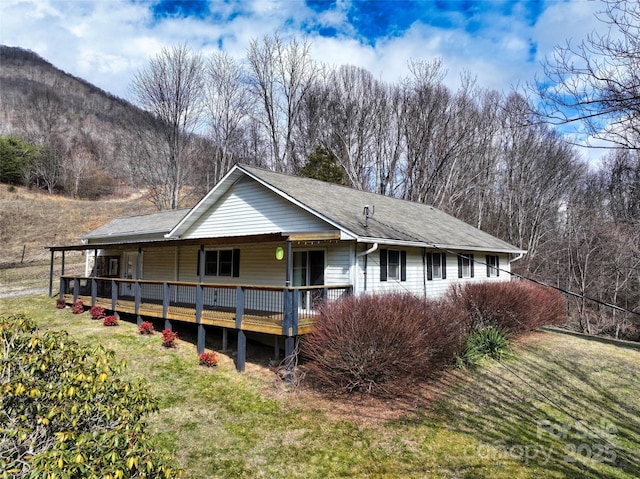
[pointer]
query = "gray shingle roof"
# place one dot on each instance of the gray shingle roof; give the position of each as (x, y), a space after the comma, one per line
(151, 224)
(393, 219)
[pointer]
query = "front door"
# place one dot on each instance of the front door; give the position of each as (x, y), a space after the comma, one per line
(308, 270)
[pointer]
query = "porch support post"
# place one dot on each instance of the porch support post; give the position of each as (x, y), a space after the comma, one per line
(166, 302)
(76, 289)
(288, 264)
(62, 265)
(137, 293)
(201, 263)
(114, 298)
(94, 291)
(166, 293)
(63, 284)
(51, 274)
(199, 306)
(95, 263)
(242, 338)
(291, 335)
(138, 287)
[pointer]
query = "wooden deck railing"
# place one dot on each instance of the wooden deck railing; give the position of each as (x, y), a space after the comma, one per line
(285, 311)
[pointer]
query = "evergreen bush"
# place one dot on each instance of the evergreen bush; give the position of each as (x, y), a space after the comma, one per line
(66, 412)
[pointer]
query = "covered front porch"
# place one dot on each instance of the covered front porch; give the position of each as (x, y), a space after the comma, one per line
(282, 311)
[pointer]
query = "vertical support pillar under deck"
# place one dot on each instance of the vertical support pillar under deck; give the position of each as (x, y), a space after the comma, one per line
(242, 338)
(199, 306)
(51, 274)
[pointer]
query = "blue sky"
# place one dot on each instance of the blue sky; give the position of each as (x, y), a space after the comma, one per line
(499, 42)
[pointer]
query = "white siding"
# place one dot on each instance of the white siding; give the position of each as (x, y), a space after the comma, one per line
(417, 282)
(250, 208)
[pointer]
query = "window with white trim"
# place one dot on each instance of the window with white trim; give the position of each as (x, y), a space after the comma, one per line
(436, 266)
(393, 265)
(465, 266)
(493, 266)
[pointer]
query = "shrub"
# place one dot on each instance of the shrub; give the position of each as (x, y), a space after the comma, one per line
(379, 344)
(483, 344)
(61, 303)
(67, 412)
(146, 327)
(169, 338)
(208, 359)
(111, 320)
(96, 312)
(514, 307)
(77, 307)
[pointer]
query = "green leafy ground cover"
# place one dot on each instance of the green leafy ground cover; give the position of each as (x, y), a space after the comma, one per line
(562, 407)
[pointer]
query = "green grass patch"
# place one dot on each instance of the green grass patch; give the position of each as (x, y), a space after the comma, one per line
(563, 407)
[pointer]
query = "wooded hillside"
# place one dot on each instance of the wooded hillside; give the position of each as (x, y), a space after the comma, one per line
(480, 155)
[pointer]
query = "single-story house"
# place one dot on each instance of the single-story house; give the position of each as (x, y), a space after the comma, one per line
(262, 249)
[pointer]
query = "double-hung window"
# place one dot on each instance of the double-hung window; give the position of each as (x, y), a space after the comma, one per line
(223, 262)
(465, 266)
(493, 266)
(393, 265)
(436, 266)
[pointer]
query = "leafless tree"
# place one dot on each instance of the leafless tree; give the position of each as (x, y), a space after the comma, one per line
(227, 106)
(596, 83)
(280, 76)
(170, 88)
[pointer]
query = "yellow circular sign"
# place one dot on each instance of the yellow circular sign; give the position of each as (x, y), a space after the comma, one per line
(279, 253)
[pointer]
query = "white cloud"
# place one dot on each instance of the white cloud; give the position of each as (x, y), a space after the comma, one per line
(106, 42)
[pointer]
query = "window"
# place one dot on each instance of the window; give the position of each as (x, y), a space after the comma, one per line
(436, 266)
(493, 266)
(465, 266)
(224, 262)
(393, 265)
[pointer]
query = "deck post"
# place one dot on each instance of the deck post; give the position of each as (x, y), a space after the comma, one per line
(242, 338)
(114, 298)
(199, 306)
(94, 291)
(242, 351)
(295, 296)
(276, 348)
(225, 339)
(63, 285)
(76, 289)
(166, 293)
(62, 265)
(166, 302)
(137, 292)
(289, 344)
(286, 315)
(290, 337)
(239, 306)
(51, 274)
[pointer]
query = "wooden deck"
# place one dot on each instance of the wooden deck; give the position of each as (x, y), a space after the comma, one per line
(262, 309)
(252, 320)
